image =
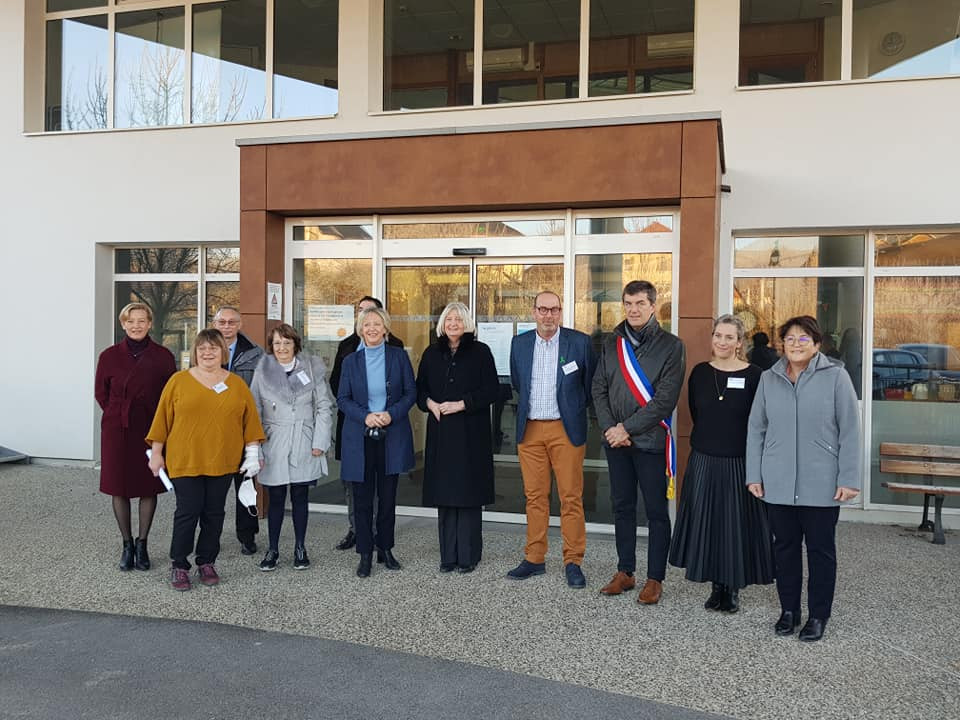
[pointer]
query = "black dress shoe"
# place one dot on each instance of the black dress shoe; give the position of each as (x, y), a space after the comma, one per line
(812, 630)
(788, 623)
(388, 560)
(447, 567)
(730, 602)
(363, 567)
(716, 595)
(464, 569)
(349, 540)
(141, 560)
(126, 557)
(248, 547)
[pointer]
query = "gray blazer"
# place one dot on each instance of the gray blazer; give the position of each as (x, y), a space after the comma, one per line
(297, 416)
(804, 441)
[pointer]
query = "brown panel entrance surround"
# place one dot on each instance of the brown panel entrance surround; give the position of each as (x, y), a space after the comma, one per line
(668, 163)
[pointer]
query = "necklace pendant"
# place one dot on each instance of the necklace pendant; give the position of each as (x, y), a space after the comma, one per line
(721, 397)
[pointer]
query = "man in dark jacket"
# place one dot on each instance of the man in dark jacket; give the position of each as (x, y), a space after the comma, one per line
(635, 391)
(244, 356)
(347, 347)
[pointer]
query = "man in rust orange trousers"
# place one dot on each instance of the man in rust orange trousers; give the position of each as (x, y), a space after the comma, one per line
(551, 369)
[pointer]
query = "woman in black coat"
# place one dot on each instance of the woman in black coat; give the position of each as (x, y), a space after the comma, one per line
(456, 385)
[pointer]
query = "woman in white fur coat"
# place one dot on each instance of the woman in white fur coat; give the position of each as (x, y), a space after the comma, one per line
(296, 409)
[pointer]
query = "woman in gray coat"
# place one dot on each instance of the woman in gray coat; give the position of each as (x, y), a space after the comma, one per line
(804, 453)
(296, 409)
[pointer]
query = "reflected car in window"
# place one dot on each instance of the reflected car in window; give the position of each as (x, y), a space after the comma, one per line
(943, 360)
(897, 370)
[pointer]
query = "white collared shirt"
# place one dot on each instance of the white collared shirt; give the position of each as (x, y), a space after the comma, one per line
(543, 380)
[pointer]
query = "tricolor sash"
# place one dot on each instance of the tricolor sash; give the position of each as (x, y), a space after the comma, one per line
(642, 390)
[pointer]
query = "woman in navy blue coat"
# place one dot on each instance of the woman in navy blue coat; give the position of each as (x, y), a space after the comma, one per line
(375, 395)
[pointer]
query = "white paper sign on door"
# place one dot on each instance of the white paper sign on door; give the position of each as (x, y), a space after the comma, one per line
(274, 301)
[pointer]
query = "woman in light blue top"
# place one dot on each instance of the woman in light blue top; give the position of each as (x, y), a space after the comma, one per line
(375, 395)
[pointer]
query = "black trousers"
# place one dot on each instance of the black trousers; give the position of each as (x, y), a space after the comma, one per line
(376, 483)
(792, 527)
(461, 540)
(199, 499)
(247, 524)
(630, 468)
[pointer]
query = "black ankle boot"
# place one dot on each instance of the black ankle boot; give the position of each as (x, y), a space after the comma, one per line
(363, 568)
(716, 596)
(126, 557)
(730, 602)
(141, 561)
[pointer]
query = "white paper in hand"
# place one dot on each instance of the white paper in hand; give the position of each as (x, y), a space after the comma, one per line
(164, 478)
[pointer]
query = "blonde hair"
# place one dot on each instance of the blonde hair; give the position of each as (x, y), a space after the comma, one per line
(469, 326)
(738, 324)
(214, 337)
(130, 307)
(383, 314)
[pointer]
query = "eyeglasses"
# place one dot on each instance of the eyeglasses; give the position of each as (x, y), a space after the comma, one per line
(791, 340)
(547, 310)
(227, 322)
(283, 343)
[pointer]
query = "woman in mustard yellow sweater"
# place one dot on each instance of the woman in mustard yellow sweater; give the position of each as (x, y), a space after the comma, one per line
(207, 422)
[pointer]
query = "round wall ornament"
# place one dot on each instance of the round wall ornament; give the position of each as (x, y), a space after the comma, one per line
(892, 43)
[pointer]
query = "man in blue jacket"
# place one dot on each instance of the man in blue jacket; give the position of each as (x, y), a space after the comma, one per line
(552, 370)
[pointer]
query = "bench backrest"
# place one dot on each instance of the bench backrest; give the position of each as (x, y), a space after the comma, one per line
(935, 459)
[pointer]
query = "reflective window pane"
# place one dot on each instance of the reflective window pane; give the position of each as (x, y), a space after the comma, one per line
(77, 66)
(837, 304)
(219, 294)
(305, 78)
(229, 61)
(478, 229)
(905, 38)
(625, 225)
(149, 68)
(62, 5)
(783, 41)
(156, 260)
(222, 260)
(427, 53)
(640, 47)
(799, 252)
(174, 306)
(916, 371)
(917, 249)
(528, 44)
(333, 232)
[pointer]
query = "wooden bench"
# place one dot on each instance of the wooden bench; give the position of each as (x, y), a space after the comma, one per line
(927, 460)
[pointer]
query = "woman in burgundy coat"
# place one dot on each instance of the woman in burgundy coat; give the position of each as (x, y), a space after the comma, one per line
(130, 378)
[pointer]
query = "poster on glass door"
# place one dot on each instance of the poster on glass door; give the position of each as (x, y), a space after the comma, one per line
(329, 322)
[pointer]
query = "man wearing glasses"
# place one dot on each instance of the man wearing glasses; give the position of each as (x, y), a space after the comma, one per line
(244, 357)
(348, 346)
(551, 369)
(635, 391)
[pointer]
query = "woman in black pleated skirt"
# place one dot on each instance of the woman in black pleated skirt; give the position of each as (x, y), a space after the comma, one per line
(722, 535)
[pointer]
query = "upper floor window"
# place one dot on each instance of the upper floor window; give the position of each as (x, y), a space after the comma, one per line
(531, 50)
(202, 62)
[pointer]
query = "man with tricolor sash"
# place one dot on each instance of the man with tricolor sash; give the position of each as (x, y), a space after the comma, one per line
(635, 391)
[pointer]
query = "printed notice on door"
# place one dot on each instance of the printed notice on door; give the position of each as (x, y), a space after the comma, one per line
(329, 322)
(497, 336)
(274, 301)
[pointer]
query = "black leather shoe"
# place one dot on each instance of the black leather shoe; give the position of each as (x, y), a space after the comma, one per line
(248, 547)
(788, 623)
(363, 567)
(464, 569)
(812, 630)
(730, 602)
(126, 557)
(349, 540)
(716, 596)
(389, 561)
(141, 560)
(447, 567)
(300, 559)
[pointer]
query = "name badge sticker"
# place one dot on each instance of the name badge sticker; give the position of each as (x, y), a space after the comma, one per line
(219, 387)
(736, 383)
(303, 378)
(570, 367)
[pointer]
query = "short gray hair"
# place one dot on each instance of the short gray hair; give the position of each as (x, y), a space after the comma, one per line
(463, 311)
(383, 314)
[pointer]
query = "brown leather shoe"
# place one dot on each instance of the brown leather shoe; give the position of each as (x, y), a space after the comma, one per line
(650, 595)
(621, 583)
